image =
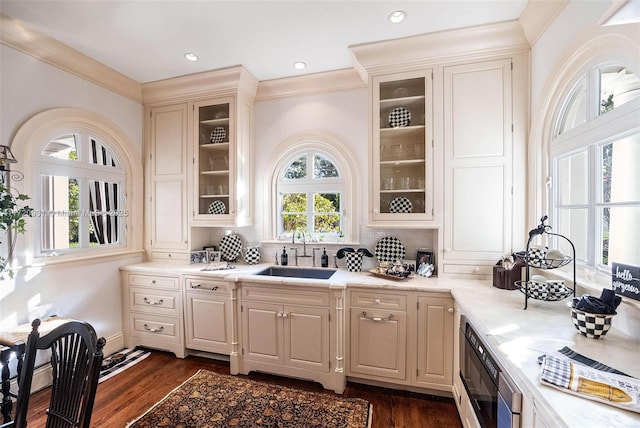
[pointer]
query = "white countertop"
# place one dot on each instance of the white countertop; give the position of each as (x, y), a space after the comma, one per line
(516, 336)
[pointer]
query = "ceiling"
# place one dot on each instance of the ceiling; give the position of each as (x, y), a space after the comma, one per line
(146, 40)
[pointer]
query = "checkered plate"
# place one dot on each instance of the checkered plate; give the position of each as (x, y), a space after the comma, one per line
(400, 205)
(217, 207)
(399, 117)
(218, 134)
(389, 249)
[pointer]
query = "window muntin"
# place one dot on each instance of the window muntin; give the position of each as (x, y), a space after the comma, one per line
(618, 86)
(82, 201)
(309, 196)
(596, 190)
(574, 111)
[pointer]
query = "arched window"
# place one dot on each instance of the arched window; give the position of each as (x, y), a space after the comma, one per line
(310, 191)
(314, 189)
(85, 185)
(594, 157)
(82, 197)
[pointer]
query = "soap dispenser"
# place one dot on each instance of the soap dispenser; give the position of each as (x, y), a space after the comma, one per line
(324, 258)
(284, 258)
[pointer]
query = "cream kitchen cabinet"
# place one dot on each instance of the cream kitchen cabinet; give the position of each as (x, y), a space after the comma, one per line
(166, 183)
(378, 335)
(434, 353)
(288, 332)
(401, 337)
(483, 151)
(402, 150)
(221, 148)
(152, 311)
(208, 315)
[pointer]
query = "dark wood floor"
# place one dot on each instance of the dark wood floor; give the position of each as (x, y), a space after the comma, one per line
(130, 393)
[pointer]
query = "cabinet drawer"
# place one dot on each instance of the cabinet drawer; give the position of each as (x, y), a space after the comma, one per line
(157, 302)
(468, 269)
(153, 281)
(208, 286)
(169, 256)
(286, 296)
(155, 328)
(378, 300)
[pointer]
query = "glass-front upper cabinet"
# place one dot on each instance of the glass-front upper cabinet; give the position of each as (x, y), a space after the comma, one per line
(221, 150)
(402, 148)
(214, 158)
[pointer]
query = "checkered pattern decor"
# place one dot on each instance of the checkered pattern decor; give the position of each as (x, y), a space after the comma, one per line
(400, 205)
(593, 326)
(252, 255)
(389, 249)
(218, 134)
(556, 371)
(399, 117)
(354, 262)
(538, 256)
(217, 207)
(230, 247)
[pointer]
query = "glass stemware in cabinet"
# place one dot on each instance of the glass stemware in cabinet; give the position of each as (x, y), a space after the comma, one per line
(213, 159)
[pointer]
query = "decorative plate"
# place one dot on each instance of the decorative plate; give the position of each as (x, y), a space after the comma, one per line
(399, 117)
(217, 134)
(217, 207)
(400, 93)
(400, 205)
(230, 247)
(389, 249)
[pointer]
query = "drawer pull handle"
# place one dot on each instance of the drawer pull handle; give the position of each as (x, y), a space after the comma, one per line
(377, 319)
(154, 330)
(149, 302)
(376, 301)
(205, 288)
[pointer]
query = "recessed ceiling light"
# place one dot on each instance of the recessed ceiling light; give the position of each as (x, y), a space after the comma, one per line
(397, 16)
(300, 65)
(191, 57)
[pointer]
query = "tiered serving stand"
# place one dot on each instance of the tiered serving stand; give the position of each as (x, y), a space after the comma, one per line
(531, 289)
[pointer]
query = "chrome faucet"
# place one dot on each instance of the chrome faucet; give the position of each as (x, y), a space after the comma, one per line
(304, 241)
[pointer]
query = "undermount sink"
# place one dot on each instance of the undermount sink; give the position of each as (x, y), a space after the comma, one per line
(294, 272)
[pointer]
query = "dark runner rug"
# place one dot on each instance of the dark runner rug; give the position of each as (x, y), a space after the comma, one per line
(209, 399)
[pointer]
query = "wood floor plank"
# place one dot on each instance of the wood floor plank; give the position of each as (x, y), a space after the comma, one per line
(130, 393)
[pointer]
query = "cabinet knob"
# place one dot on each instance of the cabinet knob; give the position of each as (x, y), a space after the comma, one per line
(278, 314)
(285, 315)
(476, 269)
(376, 301)
(153, 281)
(450, 310)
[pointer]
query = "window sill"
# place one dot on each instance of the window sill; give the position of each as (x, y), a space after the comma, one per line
(70, 259)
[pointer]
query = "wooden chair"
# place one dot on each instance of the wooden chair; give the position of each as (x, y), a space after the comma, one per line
(76, 359)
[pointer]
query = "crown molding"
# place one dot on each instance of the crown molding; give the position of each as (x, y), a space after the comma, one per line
(20, 37)
(220, 82)
(423, 50)
(310, 84)
(538, 15)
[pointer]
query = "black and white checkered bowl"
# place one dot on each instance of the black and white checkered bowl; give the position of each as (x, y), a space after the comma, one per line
(593, 326)
(399, 117)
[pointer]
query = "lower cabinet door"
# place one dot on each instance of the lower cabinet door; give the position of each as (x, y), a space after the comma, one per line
(208, 322)
(262, 331)
(435, 341)
(378, 343)
(306, 337)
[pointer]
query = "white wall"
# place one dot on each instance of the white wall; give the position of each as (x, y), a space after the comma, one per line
(89, 290)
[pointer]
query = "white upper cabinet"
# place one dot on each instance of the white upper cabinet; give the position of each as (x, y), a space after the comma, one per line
(402, 150)
(210, 140)
(167, 178)
(478, 160)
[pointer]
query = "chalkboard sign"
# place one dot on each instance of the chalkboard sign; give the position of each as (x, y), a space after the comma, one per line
(625, 280)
